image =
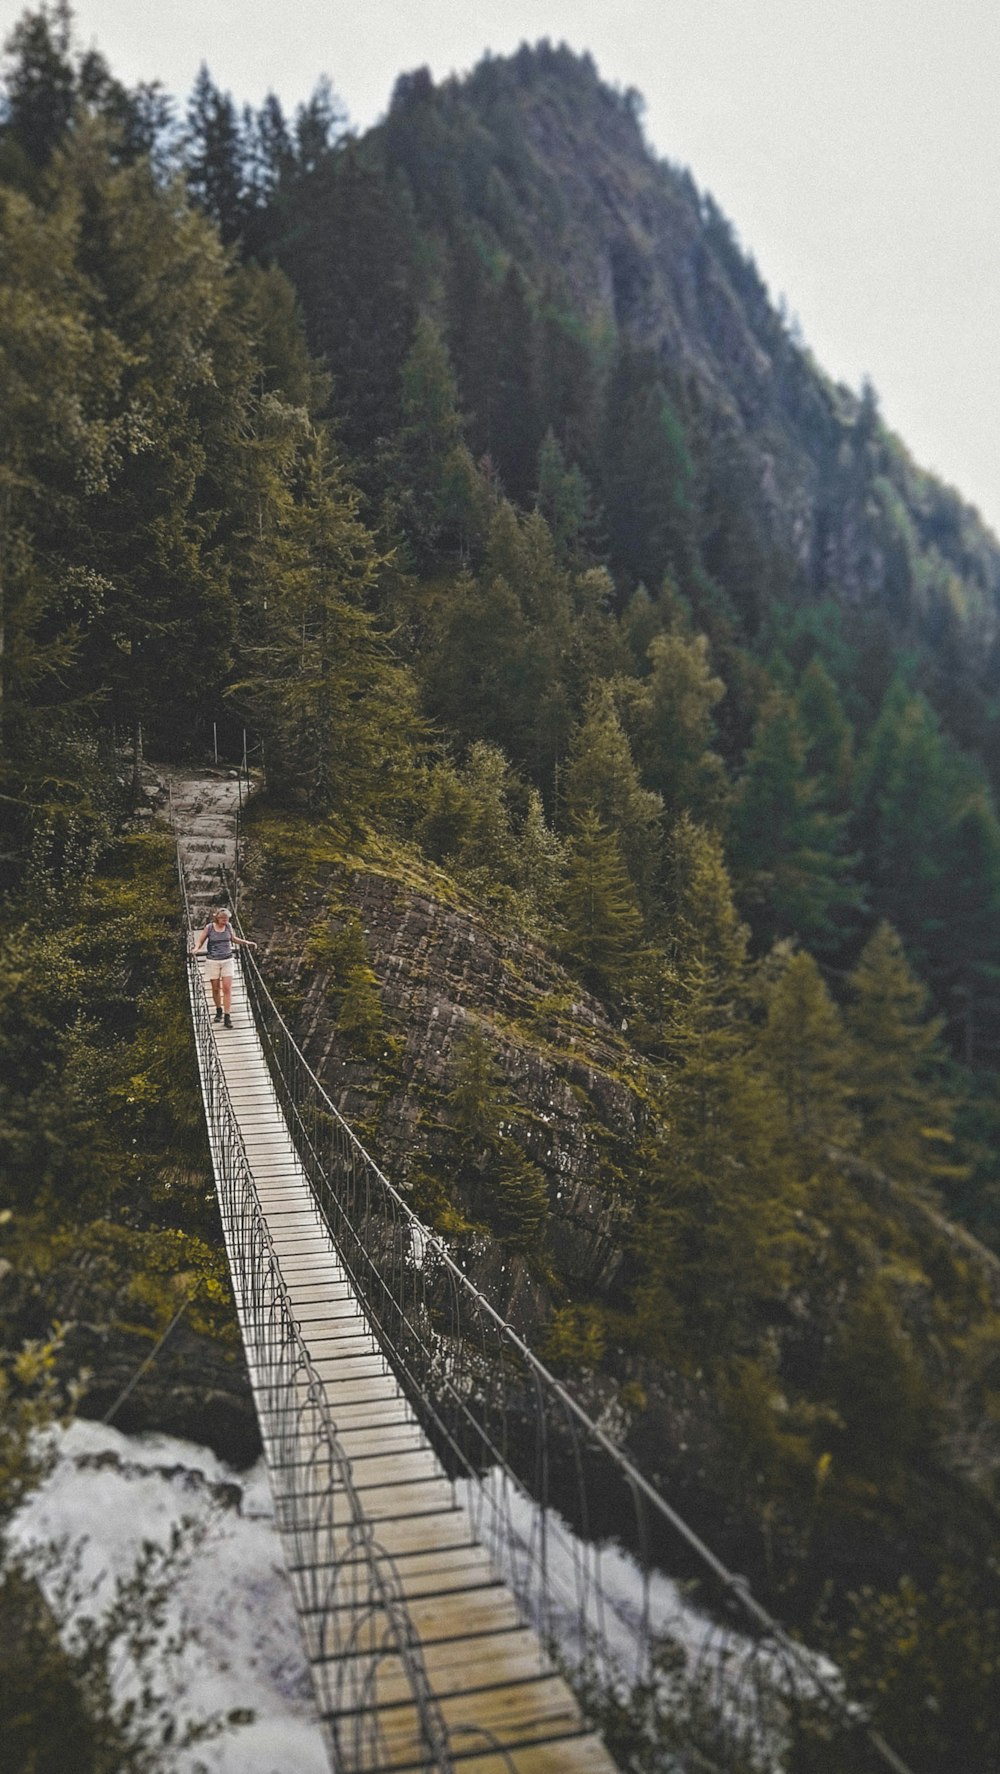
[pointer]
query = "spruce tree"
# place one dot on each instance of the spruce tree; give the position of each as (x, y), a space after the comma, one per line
(215, 156)
(897, 1071)
(646, 476)
(715, 1229)
(40, 87)
(479, 1104)
(829, 734)
(807, 1053)
(702, 920)
(513, 429)
(931, 843)
(162, 638)
(788, 844)
(60, 442)
(563, 498)
(601, 777)
(501, 667)
(670, 715)
(441, 501)
(344, 237)
(600, 923)
(336, 710)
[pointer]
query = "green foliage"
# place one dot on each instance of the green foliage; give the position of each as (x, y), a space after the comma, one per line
(58, 1703)
(600, 778)
(806, 1049)
(90, 1030)
(492, 832)
(351, 983)
(600, 920)
(879, 1386)
(507, 1190)
(576, 1338)
(931, 843)
(704, 922)
(669, 714)
(342, 233)
(897, 1072)
(925, 1659)
(788, 844)
(31, 1397)
(335, 707)
(479, 1105)
(501, 667)
(441, 502)
(646, 475)
(43, 1714)
(830, 736)
(361, 1021)
(716, 1232)
(563, 498)
(518, 1207)
(182, 541)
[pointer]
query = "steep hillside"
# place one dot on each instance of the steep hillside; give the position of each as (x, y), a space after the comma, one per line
(531, 1130)
(550, 167)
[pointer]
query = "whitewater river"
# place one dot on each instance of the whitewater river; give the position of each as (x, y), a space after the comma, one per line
(230, 1603)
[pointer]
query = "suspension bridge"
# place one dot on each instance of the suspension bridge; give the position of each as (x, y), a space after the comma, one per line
(443, 1502)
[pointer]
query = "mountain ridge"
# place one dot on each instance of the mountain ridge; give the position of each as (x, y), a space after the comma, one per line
(580, 202)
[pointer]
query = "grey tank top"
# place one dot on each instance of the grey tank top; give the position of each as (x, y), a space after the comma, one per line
(219, 943)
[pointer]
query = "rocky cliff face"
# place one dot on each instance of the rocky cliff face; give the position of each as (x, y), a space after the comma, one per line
(581, 1102)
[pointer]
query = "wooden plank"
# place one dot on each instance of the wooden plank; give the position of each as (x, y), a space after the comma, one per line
(400, 1467)
(406, 1501)
(295, 1234)
(435, 1618)
(447, 1530)
(560, 1755)
(354, 1345)
(327, 1338)
(517, 1714)
(374, 1390)
(310, 1312)
(442, 1572)
(312, 1270)
(456, 1666)
(301, 1288)
(336, 1312)
(339, 1369)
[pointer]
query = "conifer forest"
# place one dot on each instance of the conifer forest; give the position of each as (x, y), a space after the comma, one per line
(466, 472)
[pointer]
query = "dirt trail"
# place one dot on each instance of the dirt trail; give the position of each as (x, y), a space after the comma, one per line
(202, 806)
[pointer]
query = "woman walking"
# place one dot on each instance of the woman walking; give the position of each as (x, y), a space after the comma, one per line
(219, 937)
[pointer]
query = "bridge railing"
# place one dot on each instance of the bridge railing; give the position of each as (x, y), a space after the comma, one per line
(552, 1496)
(347, 1586)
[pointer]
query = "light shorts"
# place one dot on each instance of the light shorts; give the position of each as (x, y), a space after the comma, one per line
(219, 969)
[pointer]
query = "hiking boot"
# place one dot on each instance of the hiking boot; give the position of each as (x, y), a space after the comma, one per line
(218, 1013)
(227, 1021)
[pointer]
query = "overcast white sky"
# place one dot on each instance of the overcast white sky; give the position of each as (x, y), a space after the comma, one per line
(854, 144)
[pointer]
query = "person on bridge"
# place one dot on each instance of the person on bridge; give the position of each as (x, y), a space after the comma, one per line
(219, 937)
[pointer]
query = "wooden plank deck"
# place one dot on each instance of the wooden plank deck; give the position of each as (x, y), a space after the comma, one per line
(505, 1710)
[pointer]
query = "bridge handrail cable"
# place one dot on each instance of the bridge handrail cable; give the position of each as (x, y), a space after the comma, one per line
(332, 1554)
